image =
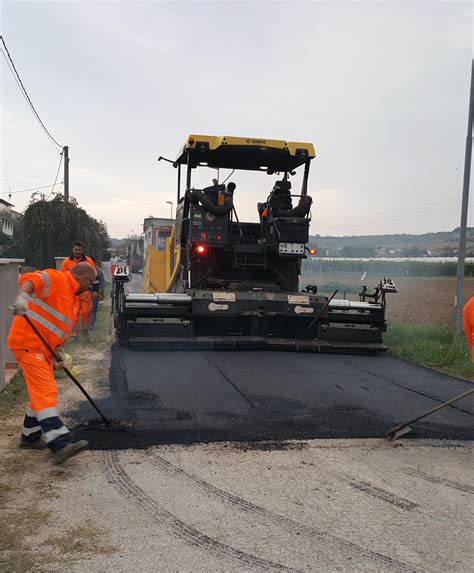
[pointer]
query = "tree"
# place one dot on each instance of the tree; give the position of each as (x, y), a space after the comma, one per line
(51, 227)
(413, 251)
(360, 251)
(12, 247)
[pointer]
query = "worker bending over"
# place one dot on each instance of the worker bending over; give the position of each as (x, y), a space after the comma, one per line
(51, 300)
(84, 320)
(468, 316)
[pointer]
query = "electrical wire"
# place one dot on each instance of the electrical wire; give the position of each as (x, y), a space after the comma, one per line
(390, 219)
(32, 189)
(409, 209)
(22, 88)
(56, 178)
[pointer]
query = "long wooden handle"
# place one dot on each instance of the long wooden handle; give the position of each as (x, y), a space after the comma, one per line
(71, 376)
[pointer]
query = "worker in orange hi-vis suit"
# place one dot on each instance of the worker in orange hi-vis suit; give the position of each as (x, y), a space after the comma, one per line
(50, 300)
(85, 314)
(468, 316)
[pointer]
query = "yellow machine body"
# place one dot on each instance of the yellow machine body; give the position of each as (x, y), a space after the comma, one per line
(161, 267)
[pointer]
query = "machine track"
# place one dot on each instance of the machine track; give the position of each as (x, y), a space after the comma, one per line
(275, 518)
(436, 479)
(127, 487)
(380, 493)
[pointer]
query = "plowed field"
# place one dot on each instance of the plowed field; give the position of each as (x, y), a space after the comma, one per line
(418, 301)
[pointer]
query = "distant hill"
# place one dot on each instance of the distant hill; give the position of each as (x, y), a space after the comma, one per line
(441, 244)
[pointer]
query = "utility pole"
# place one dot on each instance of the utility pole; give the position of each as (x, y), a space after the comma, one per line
(459, 298)
(66, 172)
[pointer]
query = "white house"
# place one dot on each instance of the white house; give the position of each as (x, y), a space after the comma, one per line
(6, 218)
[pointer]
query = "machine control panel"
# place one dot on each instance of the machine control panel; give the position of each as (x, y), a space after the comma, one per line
(291, 248)
(207, 227)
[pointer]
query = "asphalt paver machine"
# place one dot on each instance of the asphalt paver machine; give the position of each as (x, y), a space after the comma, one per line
(222, 283)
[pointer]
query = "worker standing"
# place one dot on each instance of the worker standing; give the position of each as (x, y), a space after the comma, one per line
(98, 291)
(50, 300)
(85, 314)
(468, 316)
(114, 261)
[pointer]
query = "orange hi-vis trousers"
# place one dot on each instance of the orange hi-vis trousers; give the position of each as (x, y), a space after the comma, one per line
(84, 319)
(41, 415)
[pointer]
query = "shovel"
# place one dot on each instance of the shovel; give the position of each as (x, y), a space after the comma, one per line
(402, 429)
(71, 376)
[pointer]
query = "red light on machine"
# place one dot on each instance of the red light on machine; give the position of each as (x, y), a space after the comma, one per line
(313, 251)
(200, 249)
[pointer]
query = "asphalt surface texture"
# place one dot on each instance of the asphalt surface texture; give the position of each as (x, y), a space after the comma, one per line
(204, 396)
(188, 397)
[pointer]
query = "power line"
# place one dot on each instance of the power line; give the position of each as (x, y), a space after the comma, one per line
(389, 219)
(22, 88)
(56, 178)
(32, 189)
(409, 209)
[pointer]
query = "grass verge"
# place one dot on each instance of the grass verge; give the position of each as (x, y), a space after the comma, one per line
(13, 393)
(433, 346)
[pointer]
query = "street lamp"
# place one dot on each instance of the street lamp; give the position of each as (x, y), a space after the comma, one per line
(170, 203)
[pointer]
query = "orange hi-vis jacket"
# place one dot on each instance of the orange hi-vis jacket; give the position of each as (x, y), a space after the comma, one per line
(85, 297)
(468, 316)
(53, 307)
(71, 262)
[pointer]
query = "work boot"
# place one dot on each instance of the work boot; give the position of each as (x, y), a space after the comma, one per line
(86, 336)
(69, 450)
(31, 445)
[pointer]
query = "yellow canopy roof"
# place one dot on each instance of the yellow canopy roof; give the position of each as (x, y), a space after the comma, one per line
(244, 153)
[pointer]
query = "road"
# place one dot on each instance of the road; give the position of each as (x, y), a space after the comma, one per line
(189, 489)
(247, 461)
(202, 396)
(192, 397)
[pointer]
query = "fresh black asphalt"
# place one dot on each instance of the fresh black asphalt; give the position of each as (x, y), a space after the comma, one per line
(195, 396)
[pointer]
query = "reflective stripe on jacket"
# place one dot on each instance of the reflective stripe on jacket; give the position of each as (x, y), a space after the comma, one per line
(53, 308)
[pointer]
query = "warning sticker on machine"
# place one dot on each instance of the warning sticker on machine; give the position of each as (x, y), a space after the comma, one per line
(298, 299)
(223, 296)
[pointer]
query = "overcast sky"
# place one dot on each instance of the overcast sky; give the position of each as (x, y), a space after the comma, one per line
(380, 88)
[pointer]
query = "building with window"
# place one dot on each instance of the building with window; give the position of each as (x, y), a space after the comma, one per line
(155, 233)
(7, 216)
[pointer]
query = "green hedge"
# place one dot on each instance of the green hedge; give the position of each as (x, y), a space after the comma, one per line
(386, 268)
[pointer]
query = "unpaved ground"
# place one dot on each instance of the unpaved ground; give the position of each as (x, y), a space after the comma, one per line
(419, 300)
(326, 505)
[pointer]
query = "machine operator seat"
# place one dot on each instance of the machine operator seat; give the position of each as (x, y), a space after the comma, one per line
(280, 197)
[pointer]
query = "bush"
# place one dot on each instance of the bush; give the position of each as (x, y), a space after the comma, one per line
(51, 227)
